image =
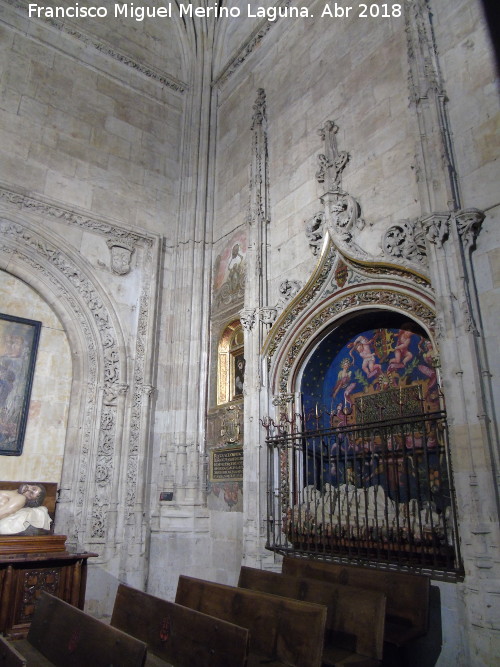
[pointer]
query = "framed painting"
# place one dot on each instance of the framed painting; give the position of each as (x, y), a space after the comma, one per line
(18, 348)
(237, 373)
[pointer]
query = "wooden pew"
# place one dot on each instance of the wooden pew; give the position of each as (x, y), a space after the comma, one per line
(407, 608)
(355, 619)
(282, 631)
(9, 657)
(178, 635)
(61, 635)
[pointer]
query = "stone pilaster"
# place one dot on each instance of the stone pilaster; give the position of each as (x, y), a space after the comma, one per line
(450, 239)
(254, 318)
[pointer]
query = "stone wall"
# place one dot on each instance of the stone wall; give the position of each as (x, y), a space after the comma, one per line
(416, 104)
(130, 157)
(83, 129)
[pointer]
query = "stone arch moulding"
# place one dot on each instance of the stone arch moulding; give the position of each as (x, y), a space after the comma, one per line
(341, 287)
(106, 418)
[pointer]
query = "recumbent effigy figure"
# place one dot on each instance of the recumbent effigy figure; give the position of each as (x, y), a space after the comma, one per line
(22, 509)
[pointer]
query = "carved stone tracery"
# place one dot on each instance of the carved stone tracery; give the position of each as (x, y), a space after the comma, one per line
(67, 275)
(390, 299)
(407, 239)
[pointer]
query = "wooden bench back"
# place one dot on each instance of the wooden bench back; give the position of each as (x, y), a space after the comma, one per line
(282, 630)
(407, 594)
(9, 657)
(67, 636)
(179, 635)
(355, 618)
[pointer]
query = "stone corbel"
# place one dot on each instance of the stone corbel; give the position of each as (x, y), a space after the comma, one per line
(436, 227)
(469, 223)
(315, 232)
(267, 315)
(121, 251)
(247, 318)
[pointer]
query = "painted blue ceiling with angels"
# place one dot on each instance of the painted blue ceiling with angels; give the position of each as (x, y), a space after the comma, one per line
(374, 353)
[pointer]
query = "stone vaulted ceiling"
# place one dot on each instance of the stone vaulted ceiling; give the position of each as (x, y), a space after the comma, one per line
(169, 46)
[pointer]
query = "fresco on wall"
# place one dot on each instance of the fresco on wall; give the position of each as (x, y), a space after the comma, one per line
(360, 359)
(229, 271)
(369, 377)
(379, 360)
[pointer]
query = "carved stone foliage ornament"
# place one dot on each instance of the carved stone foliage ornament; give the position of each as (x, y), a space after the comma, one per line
(469, 224)
(315, 232)
(341, 213)
(407, 239)
(247, 318)
(121, 255)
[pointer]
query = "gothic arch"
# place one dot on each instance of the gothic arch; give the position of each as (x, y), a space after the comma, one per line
(358, 431)
(90, 477)
(341, 287)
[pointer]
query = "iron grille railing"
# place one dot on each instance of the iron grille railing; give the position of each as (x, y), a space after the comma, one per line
(378, 491)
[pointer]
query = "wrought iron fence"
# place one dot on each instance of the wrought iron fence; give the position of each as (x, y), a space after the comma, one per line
(379, 491)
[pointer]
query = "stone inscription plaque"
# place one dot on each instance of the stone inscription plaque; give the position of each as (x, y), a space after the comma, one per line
(226, 464)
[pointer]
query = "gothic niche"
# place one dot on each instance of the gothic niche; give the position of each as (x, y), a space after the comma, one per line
(225, 424)
(366, 475)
